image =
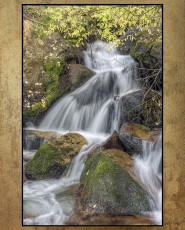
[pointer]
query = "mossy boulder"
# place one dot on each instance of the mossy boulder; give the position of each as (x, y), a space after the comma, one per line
(109, 185)
(54, 156)
(131, 136)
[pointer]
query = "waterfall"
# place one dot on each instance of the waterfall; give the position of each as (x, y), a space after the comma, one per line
(93, 106)
(92, 110)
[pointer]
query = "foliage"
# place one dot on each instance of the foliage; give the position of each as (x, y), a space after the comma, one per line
(81, 24)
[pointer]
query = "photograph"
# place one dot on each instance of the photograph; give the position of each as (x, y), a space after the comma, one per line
(92, 114)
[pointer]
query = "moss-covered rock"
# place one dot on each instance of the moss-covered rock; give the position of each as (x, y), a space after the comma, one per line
(131, 135)
(54, 156)
(109, 185)
(137, 130)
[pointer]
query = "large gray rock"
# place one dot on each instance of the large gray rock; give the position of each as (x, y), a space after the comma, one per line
(108, 185)
(147, 112)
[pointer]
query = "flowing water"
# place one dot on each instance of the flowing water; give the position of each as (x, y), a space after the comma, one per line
(92, 110)
(94, 106)
(149, 167)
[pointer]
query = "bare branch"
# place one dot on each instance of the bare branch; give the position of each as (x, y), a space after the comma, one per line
(32, 20)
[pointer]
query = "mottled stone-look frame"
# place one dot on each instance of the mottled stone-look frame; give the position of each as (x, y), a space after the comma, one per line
(11, 113)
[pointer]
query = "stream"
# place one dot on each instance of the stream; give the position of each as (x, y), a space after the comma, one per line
(92, 110)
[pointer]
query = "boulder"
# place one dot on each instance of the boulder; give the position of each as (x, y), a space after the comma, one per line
(113, 142)
(79, 74)
(141, 107)
(76, 75)
(33, 139)
(131, 136)
(54, 156)
(109, 185)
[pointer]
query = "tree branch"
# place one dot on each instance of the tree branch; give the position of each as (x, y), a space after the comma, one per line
(32, 20)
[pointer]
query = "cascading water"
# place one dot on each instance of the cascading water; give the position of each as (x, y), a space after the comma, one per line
(92, 110)
(93, 106)
(149, 167)
(51, 202)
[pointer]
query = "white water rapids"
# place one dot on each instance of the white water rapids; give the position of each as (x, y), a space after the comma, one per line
(92, 110)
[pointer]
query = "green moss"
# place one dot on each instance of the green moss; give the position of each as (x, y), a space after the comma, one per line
(53, 67)
(52, 158)
(31, 113)
(143, 127)
(38, 31)
(43, 161)
(100, 167)
(108, 185)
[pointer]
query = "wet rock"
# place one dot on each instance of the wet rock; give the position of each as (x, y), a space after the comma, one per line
(54, 156)
(113, 142)
(141, 107)
(147, 54)
(131, 136)
(109, 185)
(76, 76)
(79, 74)
(33, 139)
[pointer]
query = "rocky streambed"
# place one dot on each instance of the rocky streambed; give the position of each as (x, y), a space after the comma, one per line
(96, 156)
(109, 187)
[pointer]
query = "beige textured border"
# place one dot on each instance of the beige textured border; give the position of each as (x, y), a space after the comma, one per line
(10, 113)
